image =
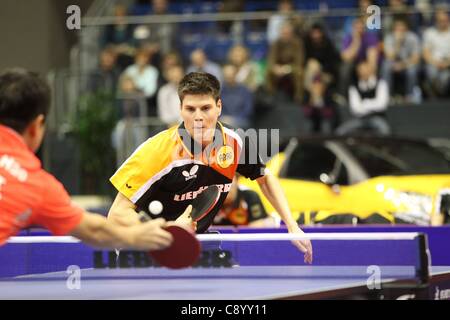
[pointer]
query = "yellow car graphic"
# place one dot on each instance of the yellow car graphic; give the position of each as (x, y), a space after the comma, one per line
(363, 180)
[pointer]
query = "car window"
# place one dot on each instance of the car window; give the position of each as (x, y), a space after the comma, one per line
(398, 158)
(308, 161)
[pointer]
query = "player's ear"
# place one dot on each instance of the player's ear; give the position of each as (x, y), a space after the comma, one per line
(36, 125)
(219, 105)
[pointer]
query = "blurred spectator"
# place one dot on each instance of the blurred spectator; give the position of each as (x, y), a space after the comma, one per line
(247, 71)
(243, 207)
(276, 22)
(320, 49)
(369, 98)
(169, 60)
(106, 76)
(200, 63)
(285, 65)
(402, 57)
(425, 14)
(363, 5)
(319, 107)
(397, 10)
(229, 6)
(159, 37)
(168, 101)
(120, 34)
(145, 77)
(436, 52)
(132, 102)
(237, 100)
(129, 133)
(358, 46)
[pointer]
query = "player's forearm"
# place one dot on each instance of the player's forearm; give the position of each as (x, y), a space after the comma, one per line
(437, 219)
(263, 223)
(97, 231)
(123, 211)
(272, 190)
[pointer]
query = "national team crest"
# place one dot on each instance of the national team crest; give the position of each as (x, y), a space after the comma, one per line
(225, 157)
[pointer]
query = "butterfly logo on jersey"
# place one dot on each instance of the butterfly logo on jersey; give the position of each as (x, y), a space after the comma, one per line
(191, 174)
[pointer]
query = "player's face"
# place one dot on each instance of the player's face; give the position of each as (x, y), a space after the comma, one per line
(200, 114)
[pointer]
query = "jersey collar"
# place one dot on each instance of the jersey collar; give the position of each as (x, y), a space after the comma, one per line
(13, 136)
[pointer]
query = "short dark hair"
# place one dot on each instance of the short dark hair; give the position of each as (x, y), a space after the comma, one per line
(24, 95)
(199, 83)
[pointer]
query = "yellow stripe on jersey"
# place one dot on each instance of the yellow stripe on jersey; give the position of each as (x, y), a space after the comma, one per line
(160, 154)
(145, 165)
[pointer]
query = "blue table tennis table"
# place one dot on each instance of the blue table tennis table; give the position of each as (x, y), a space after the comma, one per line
(371, 269)
(236, 283)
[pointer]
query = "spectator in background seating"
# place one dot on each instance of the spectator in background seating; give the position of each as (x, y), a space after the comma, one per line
(105, 78)
(200, 63)
(169, 60)
(120, 34)
(369, 98)
(319, 49)
(229, 6)
(285, 65)
(243, 207)
(397, 10)
(161, 36)
(131, 98)
(237, 100)
(436, 53)
(425, 14)
(402, 57)
(168, 101)
(319, 107)
(145, 77)
(362, 6)
(357, 47)
(247, 71)
(128, 134)
(276, 22)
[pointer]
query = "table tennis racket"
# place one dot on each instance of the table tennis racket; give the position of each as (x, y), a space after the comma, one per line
(205, 202)
(182, 253)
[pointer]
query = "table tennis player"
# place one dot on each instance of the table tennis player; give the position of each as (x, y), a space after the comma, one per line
(31, 196)
(176, 165)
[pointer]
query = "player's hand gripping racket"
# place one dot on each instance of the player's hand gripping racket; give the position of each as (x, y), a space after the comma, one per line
(182, 253)
(185, 249)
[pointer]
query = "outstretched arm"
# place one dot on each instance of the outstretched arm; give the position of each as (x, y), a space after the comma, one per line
(272, 190)
(123, 211)
(97, 231)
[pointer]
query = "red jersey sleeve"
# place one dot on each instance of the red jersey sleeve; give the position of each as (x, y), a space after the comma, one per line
(56, 212)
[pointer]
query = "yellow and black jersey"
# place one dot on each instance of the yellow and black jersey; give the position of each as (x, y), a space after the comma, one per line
(172, 168)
